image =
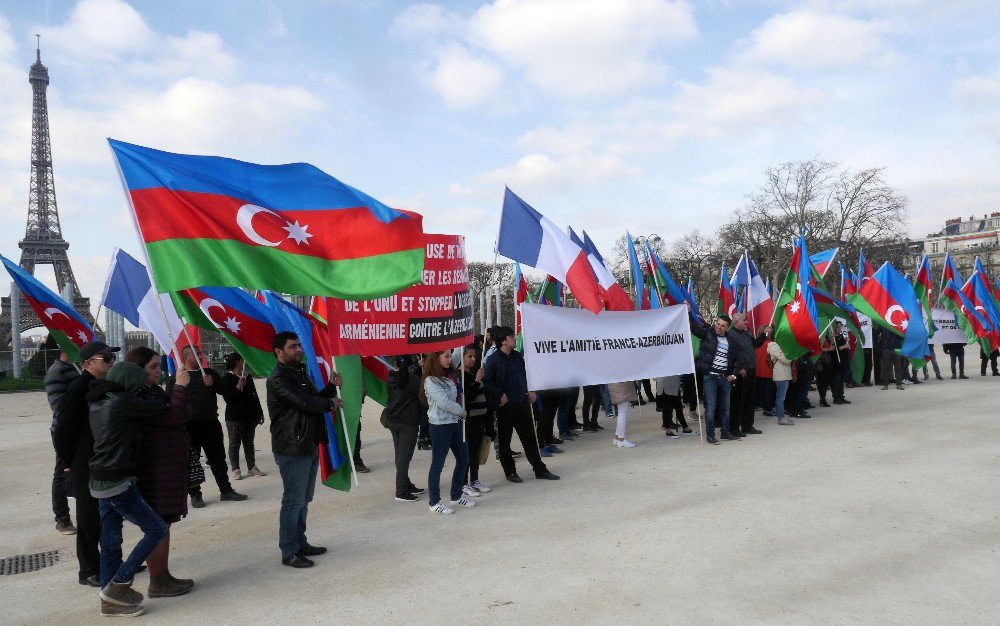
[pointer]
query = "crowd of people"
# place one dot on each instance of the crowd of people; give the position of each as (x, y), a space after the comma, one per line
(129, 448)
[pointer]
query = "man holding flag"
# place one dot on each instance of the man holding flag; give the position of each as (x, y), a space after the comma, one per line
(297, 429)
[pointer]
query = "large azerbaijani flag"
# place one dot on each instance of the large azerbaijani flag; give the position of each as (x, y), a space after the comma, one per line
(208, 220)
(68, 327)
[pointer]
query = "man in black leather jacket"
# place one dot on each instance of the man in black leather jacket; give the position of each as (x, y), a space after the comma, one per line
(297, 428)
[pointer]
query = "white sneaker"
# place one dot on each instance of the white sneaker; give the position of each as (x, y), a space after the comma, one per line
(624, 443)
(470, 491)
(463, 501)
(235, 474)
(907, 381)
(440, 508)
(480, 487)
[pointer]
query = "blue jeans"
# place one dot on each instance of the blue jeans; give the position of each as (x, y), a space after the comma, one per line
(130, 506)
(779, 397)
(298, 482)
(717, 391)
(607, 400)
(446, 437)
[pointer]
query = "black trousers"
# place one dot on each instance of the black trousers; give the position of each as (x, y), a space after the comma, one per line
(474, 433)
(545, 418)
(866, 374)
(991, 357)
(207, 436)
(88, 535)
(357, 446)
(960, 359)
(671, 404)
(60, 491)
(593, 398)
(823, 378)
(644, 385)
(689, 391)
(742, 401)
(765, 393)
(513, 417)
(404, 442)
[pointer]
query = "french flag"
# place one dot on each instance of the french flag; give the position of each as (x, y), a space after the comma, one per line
(528, 237)
(129, 292)
(757, 301)
(615, 296)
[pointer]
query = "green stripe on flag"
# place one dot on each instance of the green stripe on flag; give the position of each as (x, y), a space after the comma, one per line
(189, 263)
(349, 368)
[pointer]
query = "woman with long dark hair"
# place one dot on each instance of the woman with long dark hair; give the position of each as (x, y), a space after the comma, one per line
(480, 419)
(243, 414)
(163, 467)
(402, 415)
(441, 391)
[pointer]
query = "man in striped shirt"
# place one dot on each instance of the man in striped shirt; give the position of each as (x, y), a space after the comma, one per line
(715, 365)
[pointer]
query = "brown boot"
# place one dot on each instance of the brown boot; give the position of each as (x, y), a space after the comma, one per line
(163, 587)
(109, 609)
(186, 582)
(121, 594)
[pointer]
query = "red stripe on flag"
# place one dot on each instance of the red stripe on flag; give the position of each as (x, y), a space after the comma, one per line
(333, 234)
(580, 280)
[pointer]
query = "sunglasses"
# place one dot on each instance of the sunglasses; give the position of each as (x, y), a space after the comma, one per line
(108, 358)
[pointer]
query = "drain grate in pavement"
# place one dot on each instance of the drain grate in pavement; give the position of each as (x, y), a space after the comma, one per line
(22, 563)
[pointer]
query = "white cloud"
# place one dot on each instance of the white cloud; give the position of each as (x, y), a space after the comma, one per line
(583, 47)
(816, 40)
(461, 79)
(423, 21)
(977, 90)
(101, 29)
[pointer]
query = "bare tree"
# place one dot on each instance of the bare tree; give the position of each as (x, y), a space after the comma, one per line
(618, 262)
(696, 256)
(484, 277)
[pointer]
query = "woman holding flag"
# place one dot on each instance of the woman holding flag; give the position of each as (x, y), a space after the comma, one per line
(243, 414)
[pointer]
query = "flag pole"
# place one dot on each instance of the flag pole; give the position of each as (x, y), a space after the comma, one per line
(697, 401)
(462, 392)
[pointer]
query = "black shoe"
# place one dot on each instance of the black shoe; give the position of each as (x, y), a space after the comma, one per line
(197, 502)
(91, 581)
(297, 561)
(233, 496)
(575, 426)
(587, 428)
(730, 437)
(839, 402)
(424, 444)
(754, 431)
(964, 377)
(712, 440)
(312, 550)
(598, 426)
(406, 497)
(546, 475)
(824, 403)
(845, 401)
(803, 415)
(515, 454)
(917, 381)
(514, 478)
(415, 490)
(953, 377)
(360, 467)
(557, 440)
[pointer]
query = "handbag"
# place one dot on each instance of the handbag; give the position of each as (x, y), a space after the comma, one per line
(196, 473)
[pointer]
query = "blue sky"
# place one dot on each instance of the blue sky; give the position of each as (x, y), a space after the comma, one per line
(652, 115)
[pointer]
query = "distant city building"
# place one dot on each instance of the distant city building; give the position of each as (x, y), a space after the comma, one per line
(964, 239)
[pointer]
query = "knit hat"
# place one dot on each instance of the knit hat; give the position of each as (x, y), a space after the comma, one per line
(128, 375)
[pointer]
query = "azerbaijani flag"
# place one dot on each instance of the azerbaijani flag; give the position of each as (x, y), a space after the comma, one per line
(865, 269)
(822, 260)
(673, 294)
(244, 321)
(726, 304)
(209, 220)
(796, 327)
(641, 295)
(922, 288)
(68, 327)
(949, 272)
(968, 319)
(889, 300)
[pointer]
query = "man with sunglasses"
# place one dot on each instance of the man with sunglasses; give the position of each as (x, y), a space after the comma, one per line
(74, 444)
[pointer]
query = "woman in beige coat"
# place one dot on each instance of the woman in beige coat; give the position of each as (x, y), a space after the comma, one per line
(782, 367)
(622, 396)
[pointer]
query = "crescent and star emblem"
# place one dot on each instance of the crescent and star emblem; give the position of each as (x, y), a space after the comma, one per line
(244, 219)
(888, 317)
(51, 311)
(326, 366)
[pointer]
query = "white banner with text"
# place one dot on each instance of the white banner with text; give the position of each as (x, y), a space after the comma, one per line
(572, 347)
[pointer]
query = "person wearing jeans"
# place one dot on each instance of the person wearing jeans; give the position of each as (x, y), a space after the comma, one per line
(441, 390)
(781, 374)
(115, 413)
(957, 353)
(716, 363)
(298, 427)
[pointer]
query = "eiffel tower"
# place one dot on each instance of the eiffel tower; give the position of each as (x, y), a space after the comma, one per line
(43, 242)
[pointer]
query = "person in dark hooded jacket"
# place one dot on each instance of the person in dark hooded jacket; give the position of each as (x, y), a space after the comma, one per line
(116, 411)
